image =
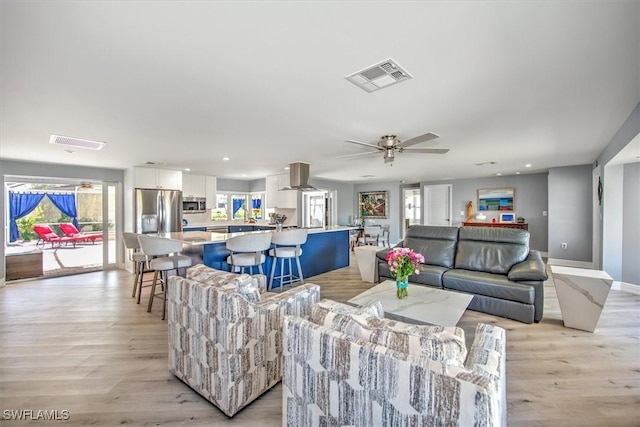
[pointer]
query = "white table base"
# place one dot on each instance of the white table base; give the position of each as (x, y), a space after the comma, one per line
(424, 304)
(581, 294)
(367, 262)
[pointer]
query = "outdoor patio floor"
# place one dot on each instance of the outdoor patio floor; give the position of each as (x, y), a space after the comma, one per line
(65, 259)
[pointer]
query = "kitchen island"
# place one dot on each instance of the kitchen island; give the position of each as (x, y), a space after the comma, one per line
(326, 249)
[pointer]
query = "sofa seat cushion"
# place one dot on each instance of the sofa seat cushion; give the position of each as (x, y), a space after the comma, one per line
(488, 284)
(445, 345)
(430, 275)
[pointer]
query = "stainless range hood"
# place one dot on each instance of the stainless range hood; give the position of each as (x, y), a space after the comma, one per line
(299, 177)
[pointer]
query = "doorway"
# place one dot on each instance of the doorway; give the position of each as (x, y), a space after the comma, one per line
(412, 207)
(81, 219)
(437, 205)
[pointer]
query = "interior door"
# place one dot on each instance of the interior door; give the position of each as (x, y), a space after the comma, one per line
(411, 214)
(437, 205)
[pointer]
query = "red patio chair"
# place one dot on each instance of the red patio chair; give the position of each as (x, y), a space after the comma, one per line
(70, 230)
(46, 235)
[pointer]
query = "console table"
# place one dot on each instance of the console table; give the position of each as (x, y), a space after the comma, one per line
(523, 226)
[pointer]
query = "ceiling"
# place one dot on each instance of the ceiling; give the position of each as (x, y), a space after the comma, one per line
(185, 84)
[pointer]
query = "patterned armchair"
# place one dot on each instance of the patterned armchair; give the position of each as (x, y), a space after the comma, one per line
(225, 333)
(420, 377)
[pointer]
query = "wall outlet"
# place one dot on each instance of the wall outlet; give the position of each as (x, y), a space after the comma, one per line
(563, 245)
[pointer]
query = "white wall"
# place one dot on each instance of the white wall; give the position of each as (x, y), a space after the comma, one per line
(631, 224)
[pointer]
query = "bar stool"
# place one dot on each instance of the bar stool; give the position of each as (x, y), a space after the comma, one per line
(160, 247)
(286, 246)
(138, 258)
(248, 251)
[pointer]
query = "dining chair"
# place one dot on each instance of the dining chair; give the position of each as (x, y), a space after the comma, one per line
(370, 235)
(138, 258)
(384, 237)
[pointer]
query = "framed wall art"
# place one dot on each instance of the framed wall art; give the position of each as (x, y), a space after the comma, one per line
(496, 199)
(374, 204)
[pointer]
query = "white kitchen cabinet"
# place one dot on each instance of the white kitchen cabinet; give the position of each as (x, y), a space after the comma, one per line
(210, 191)
(193, 185)
(157, 178)
(280, 199)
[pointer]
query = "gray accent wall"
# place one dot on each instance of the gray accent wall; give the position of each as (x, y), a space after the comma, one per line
(228, 185)
(394, 208)
(631, 224)
(570, 213)
(258, 185)
(530, 202)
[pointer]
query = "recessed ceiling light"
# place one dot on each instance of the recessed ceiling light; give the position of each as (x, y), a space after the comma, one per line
(244, 174)
(187, 170)
(499, 174)
(517, 173)
(286, 168)
(528, 165)
(226, 159)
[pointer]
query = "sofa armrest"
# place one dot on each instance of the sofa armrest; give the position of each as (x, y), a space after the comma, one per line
(531, 268)
(488, 358)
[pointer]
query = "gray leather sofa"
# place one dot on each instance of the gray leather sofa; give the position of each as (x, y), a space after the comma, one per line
(493, 264)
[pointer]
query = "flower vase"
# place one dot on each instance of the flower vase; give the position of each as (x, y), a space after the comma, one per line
(401, 287)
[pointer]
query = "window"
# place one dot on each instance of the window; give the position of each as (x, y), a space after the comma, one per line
(235, 206)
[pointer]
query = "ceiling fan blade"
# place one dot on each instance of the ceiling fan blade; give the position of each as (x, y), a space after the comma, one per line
(418, 139)
(366, 144)
(426, 150)
(358, 154)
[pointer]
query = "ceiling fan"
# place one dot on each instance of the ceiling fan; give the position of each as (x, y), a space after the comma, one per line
(390, 144)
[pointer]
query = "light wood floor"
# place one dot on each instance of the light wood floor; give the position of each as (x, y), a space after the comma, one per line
(80, 343)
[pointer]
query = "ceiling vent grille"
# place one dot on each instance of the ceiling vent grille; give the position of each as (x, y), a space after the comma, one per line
(76, 142)
(379, 76)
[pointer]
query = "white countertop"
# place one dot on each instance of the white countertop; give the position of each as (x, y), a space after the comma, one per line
(204, 237)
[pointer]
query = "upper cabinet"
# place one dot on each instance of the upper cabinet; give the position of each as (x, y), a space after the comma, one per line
(157, 178)
(193, 185)
(210, 186)
(287, 199)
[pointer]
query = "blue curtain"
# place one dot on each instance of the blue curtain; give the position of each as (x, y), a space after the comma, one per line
(67, 204)
(256, 203)
(237, 204)
(20, 204)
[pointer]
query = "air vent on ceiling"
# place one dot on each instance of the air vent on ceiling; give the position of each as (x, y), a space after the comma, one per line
(76, 142)
(379, 76)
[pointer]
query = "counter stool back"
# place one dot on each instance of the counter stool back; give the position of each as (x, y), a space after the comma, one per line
(287, 246)
(163, 264)
(247, 251)
(138, 258)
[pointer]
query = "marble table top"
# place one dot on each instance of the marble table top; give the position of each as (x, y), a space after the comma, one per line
(425, 304)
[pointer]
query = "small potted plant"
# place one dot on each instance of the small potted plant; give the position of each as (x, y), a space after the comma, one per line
(403, 262)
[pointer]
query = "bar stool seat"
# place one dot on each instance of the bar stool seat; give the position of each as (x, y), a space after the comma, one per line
(248, 251)
(163, 264)
(287, 246)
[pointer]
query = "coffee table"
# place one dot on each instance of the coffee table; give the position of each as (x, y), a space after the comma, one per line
(425, 304)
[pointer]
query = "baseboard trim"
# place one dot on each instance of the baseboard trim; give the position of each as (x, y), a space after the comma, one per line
(570, 263)
(626, 287)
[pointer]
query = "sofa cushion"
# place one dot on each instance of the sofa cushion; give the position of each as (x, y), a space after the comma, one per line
(443, 344)
(488, 284)
(493, 250)
(429, 275)
(437, 244)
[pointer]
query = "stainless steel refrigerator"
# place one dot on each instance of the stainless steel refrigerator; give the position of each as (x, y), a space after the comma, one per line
(158, 211)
